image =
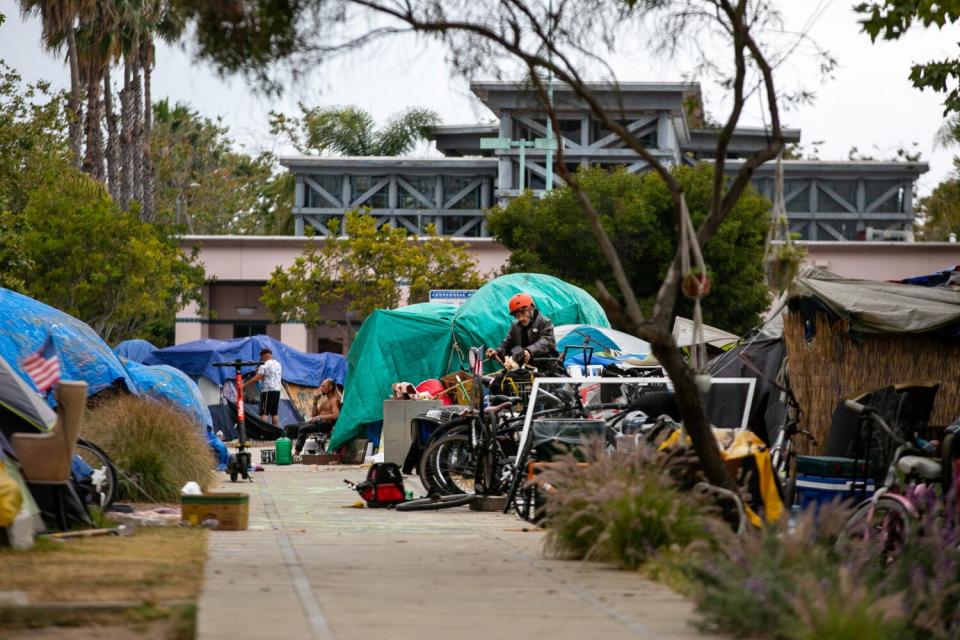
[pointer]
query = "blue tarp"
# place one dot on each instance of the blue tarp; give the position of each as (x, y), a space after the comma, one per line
(83, 355)
(166, 383)
(196, 359)
(136, 350)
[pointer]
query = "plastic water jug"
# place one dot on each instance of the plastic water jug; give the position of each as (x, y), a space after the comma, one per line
(284, 450)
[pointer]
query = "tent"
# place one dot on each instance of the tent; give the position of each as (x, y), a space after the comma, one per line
(718, 338)
(172, 385)
(22, 401)
(425, 341)
(27, 323)
(609, 345)
(196, 359)
(136, 350)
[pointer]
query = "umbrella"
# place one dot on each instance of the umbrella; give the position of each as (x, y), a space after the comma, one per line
(602, 339)
(22, 400)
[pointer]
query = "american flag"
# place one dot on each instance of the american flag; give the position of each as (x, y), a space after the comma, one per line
(43, 367)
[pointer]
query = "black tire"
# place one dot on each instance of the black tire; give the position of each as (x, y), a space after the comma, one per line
(886, 523)
(789, 493)
(428, 479)
(437, 502)
(448, 466)
(104, 480)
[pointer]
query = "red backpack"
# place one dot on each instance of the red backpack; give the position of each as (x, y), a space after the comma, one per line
(383, 486)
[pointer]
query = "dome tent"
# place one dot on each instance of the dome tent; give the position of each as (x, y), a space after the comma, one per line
(424, 341)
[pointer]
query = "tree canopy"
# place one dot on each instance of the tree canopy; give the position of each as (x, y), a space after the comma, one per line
(551, 235)
(940, 211)
(351, 131)
(890, 19)
(66, 242)
(363, 271)
(205, 185)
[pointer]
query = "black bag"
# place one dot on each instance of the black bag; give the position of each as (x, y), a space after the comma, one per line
(383, 486)
(512, 383)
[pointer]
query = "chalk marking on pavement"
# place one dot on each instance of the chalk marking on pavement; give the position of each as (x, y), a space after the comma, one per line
(584, 595)
(319, 628)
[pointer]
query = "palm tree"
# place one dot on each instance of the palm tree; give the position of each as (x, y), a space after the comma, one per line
(351, 131)
(59, 20)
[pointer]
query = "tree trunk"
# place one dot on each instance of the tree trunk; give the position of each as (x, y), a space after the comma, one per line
(113, 143)
(93, 157)
(695, 420)
(148, 177)
(74, 100)
(126, 137)
(137, 131)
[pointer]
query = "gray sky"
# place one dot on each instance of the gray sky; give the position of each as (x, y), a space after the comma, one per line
(869, 104)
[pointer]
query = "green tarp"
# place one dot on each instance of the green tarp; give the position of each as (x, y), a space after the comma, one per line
(425, 341)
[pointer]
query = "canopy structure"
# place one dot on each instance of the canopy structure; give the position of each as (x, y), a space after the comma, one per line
(683, 334)
(871, 306)
(198, 357)
(27, 323)
(425, 341)
(136, 350)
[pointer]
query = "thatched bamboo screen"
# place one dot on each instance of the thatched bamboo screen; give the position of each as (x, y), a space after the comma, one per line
(836, 365)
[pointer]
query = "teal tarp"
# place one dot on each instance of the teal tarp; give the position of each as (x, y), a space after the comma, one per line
(425, 341)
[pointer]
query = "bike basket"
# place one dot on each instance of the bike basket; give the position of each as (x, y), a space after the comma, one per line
(552, 437)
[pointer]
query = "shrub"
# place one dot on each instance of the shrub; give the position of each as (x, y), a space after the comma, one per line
(158, 445)
(622, 508)
(750, 584)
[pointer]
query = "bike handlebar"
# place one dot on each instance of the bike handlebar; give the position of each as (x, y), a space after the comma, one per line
(864, 410)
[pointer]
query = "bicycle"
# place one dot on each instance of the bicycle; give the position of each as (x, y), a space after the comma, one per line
(783, 452)
(482, 426)
(891, 517)
(103, 476)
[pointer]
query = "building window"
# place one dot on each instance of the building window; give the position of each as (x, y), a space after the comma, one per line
(327, 345)
(377, 200)
(249, 329)
(845, 189)
(332, 184)
(452, 185)
(797, 195)
(451, 224)
(891, 192)
(424, 185)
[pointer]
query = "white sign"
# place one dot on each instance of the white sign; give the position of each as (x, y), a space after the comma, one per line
(451, 296)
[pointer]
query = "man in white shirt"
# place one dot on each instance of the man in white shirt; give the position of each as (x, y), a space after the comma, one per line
(270, 373)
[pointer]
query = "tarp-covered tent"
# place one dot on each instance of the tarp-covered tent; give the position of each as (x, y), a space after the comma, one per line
(609, 345)
(172, 385)
(196, 359)
(137, 350)
(713, 337)
(83, 355)
(430, 340)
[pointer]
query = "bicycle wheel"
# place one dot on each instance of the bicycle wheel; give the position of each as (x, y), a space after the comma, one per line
(448, 466)
(885, 523)
(103, 481)
(436, 502)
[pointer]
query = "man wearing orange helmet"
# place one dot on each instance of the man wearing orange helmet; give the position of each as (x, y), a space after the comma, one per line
(532, 332)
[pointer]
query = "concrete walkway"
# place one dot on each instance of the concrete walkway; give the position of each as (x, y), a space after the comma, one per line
(312, 567)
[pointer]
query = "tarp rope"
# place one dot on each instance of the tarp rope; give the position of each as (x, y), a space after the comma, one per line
(696, 284)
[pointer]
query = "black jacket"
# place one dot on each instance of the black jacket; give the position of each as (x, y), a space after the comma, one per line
(537, 338)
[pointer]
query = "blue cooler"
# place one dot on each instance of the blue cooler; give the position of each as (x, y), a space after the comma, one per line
(820, 490)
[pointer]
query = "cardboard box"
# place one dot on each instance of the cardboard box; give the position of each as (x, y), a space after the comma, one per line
(321, 458)
(230, 510)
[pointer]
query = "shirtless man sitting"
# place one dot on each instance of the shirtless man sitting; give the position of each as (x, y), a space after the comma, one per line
(326, 410)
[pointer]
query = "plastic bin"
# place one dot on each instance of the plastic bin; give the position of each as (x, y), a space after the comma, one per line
(230, 510)
(820, 490)
(552, 437)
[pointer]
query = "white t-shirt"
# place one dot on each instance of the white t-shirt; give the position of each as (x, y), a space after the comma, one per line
(270, 370)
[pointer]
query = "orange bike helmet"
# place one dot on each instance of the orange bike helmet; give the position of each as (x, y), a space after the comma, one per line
(519, 301)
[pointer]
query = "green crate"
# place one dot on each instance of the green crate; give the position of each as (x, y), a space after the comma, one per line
(831, 466)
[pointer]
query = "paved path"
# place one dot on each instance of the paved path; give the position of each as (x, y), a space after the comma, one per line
(311, 567)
